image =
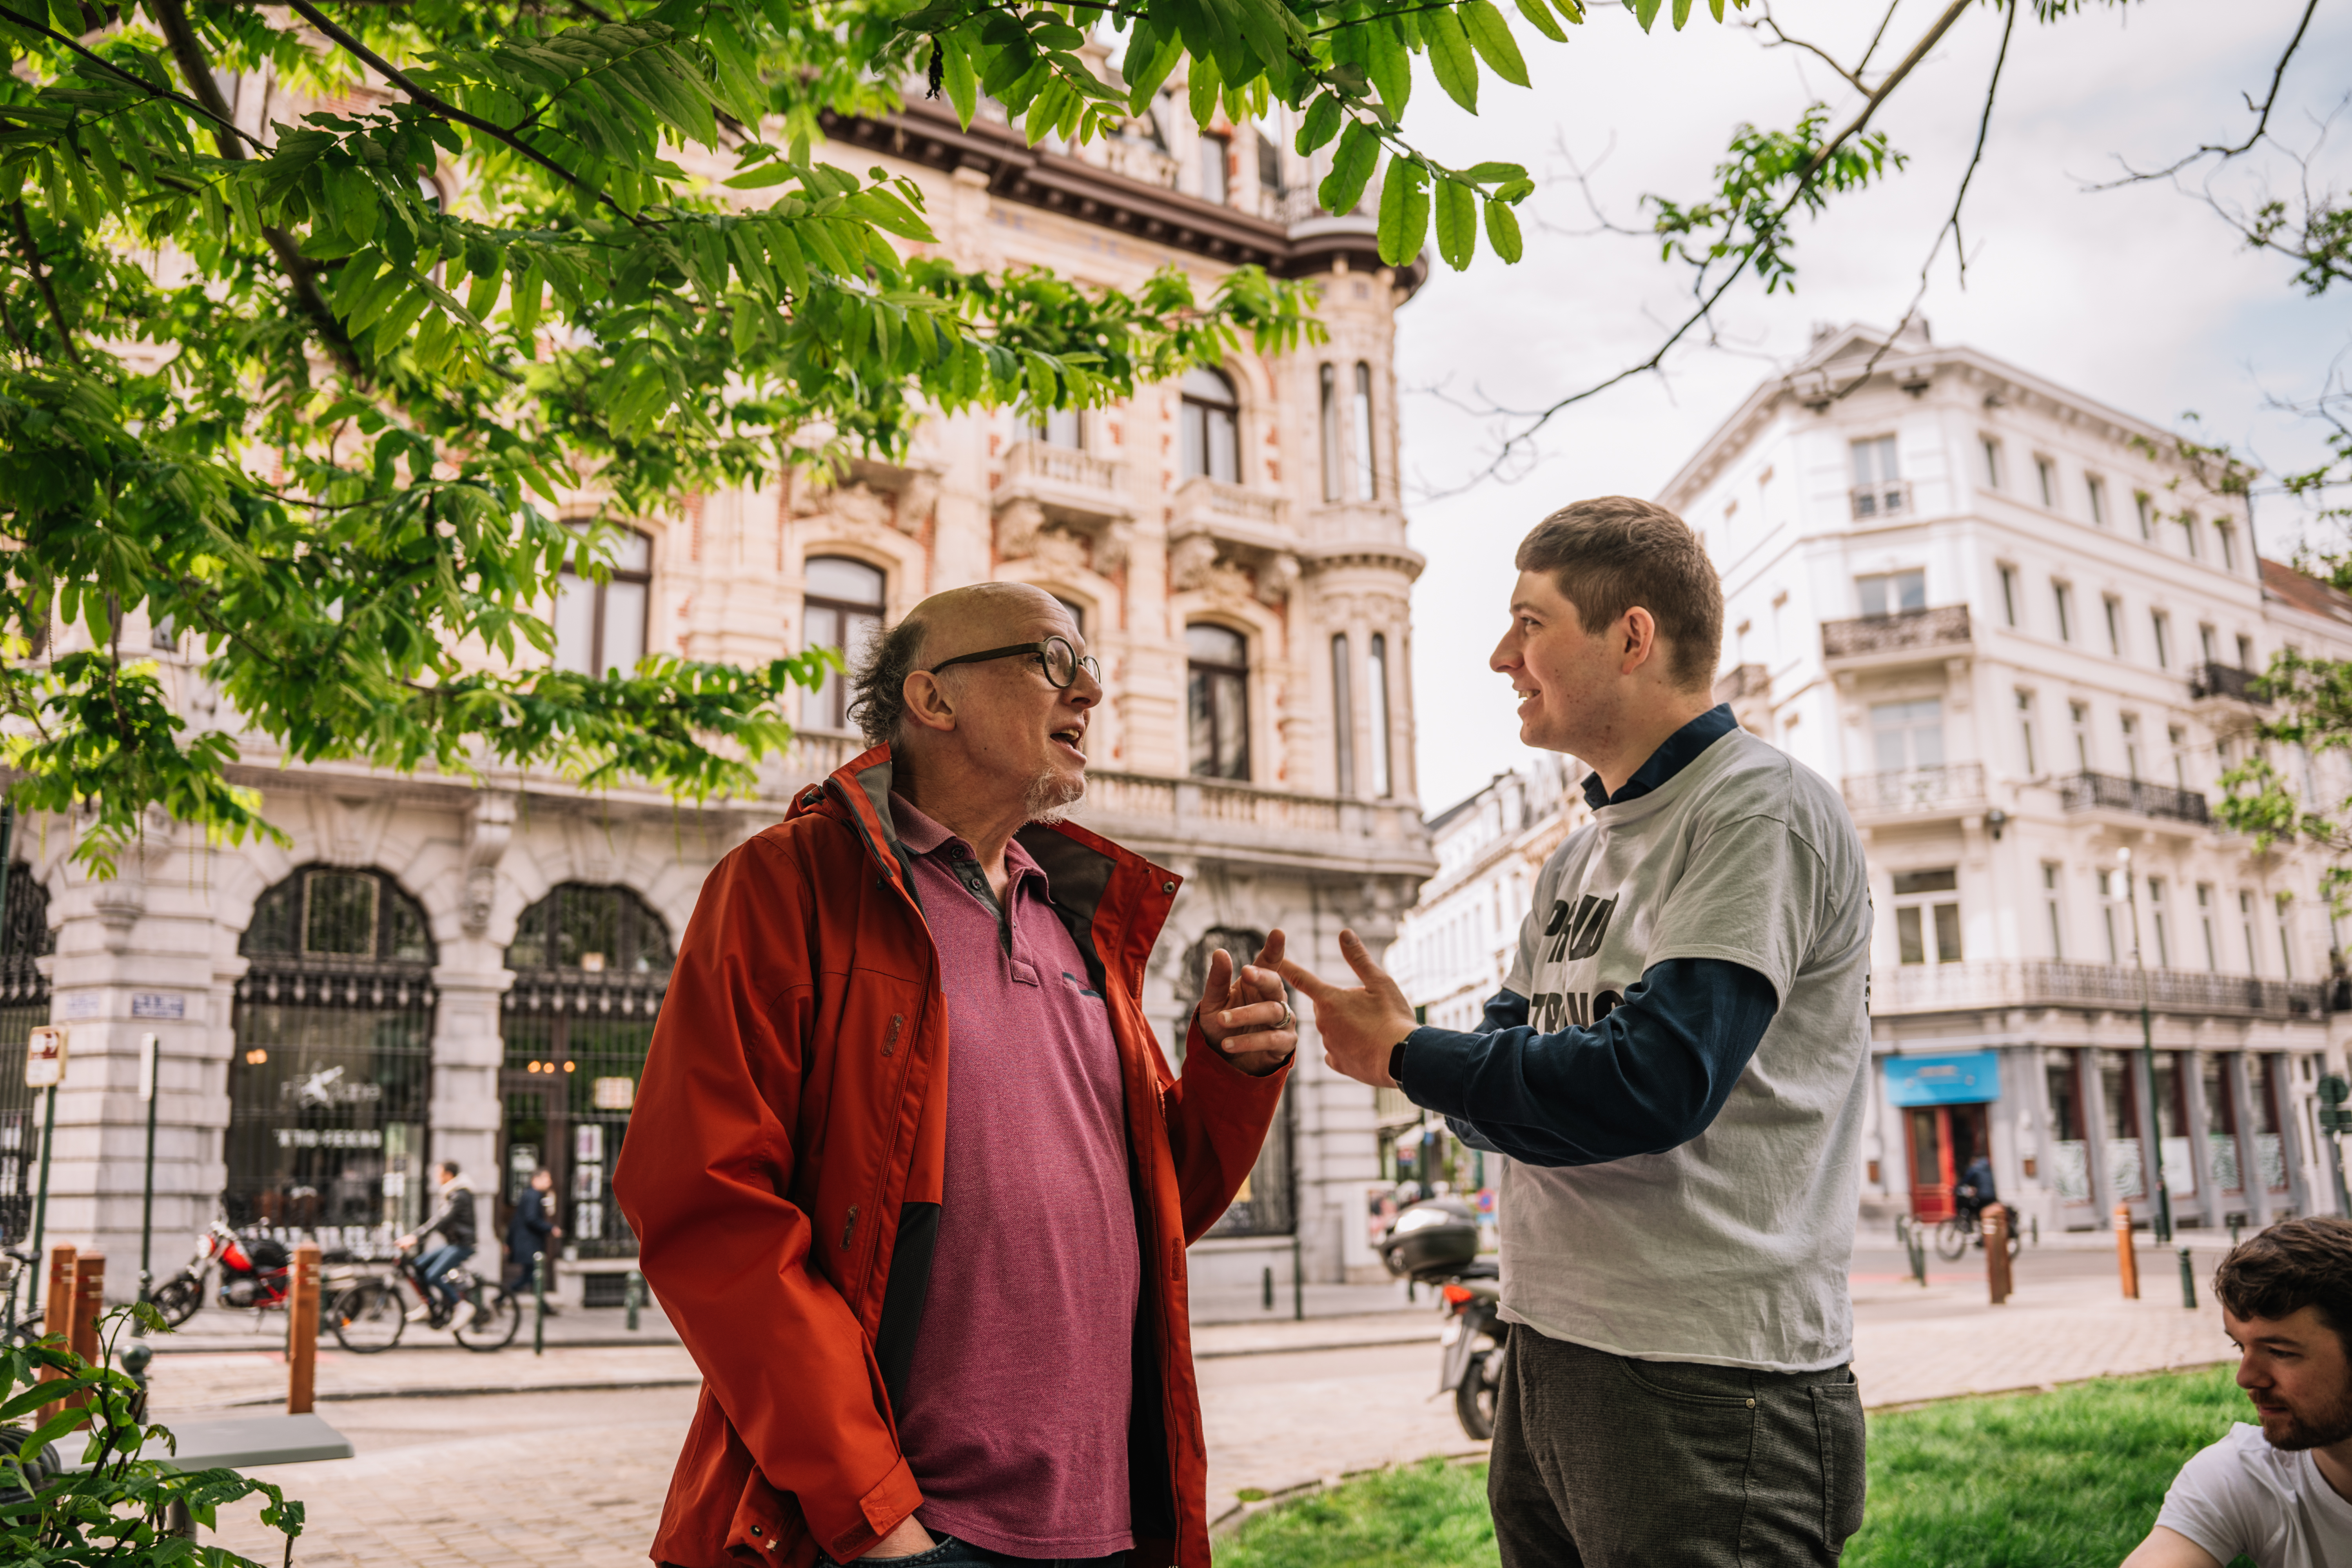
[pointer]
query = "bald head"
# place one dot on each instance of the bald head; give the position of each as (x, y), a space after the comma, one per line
(970, 620)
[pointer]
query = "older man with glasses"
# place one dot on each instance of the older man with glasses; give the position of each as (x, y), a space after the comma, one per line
(908, 1168)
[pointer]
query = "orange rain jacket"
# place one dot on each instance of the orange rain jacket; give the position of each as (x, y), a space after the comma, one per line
(782, 1174)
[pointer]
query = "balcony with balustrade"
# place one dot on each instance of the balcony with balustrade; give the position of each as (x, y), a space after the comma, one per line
(1887, 642)
(1972, 985)
(1916, 795)
(2226, 683)
(2133, 797)
(1068, 485)
(1880, 502)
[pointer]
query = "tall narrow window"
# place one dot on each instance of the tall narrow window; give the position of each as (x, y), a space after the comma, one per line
(2045, 475)
(2050, 902)
(1892, 594)
(2205, 925)
(2115, 914)
(1343, 708)
(1214, 151)
(1383, 785)
(2226, 535)
(2209, 645)
(2188, 533)
(2094, 490)
(2161, 624)
(2146, 509)
(600, 626)
(2025, 730)
(2062, 594)
(1927, 916)
(2156, 913)
(2115, 609)
(1333, 465)
(1877, 482)
(1218, 688)
(2179, 740)
(1209, 415)
(1368, 486)
(2131, 746)
(2286, 934)
(2009, 596)
(1063, 428)
(2081, 715)
(2246, 925)
(2245, 651)
(1992, 463)
(843, 610)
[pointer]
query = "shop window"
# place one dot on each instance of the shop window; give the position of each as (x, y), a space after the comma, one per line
(331, 1073)
(600, 626)
(2119, 1078)
(1218, 670)
(591, 964)
(1927, 916)
(841, 609)
(2222, 1124)
(2069, 1141)
(24, 1005)
(1209, 416)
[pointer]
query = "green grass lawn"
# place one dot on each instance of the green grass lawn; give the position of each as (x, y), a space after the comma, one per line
(2067, 1479)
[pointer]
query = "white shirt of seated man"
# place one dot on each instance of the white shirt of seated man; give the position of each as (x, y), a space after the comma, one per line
(2277, 1492)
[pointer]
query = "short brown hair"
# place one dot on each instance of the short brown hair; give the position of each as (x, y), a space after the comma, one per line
(2294, 1264)
(1612, 552)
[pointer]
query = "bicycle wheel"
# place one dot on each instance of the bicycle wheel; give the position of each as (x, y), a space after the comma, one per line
(178, 1298)
(1952, 1239)
(487, 1319)
(367, 1318)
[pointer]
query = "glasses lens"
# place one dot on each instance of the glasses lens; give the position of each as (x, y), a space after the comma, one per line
(1094, 671)
(1061, 662)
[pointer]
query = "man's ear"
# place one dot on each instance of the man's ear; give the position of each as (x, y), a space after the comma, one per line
(926, 702)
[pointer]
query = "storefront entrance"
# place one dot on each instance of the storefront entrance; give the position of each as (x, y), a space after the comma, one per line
(1944, 1139)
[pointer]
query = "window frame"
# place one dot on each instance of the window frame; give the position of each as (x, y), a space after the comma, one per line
(1343, 708)
(1995, 470)
(2062, 593)
(1378, 699)
(837, 686)
(1219, 768)
(2008, 597)
(1195, 411)
(598, 666)
(1216, 153)
(1928, 908)
(2045, 479)
(1335, 466)
(1362, 426)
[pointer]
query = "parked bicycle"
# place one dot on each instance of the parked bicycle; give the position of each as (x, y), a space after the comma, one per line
(369, 1315)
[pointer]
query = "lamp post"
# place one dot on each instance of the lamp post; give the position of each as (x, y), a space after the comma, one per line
(2147, 1061)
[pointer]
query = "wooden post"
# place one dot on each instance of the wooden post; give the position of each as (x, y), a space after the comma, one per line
(57, 1311)
(83, 1299)
(2127, 1261)
(1993, 1225)
(302, 1330)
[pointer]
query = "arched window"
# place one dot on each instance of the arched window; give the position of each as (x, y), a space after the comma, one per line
(1368, 486)
(1343, 706)
(843, 610)
(331, 1071)
(1219, 667)
(1335, 468)
(24, 1005)
(1383, 785)
(600, 626)
(1211, 431)
(591, 964)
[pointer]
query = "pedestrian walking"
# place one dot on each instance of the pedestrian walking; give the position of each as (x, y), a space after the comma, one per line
(452, 1220)
(532, 1230)
(907, 1169)
(1676, 1068)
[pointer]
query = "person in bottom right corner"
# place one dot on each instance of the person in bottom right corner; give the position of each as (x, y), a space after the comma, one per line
(2279, 1492)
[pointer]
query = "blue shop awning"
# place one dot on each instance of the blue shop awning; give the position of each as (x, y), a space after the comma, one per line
(1970, 1078)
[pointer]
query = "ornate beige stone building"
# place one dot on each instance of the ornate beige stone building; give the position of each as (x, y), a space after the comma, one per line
(437, 968)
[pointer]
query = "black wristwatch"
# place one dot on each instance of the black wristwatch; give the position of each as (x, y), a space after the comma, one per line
(1396, 1062)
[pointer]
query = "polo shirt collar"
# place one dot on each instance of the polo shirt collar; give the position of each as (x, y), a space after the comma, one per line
(925, 834)
(1679, 751)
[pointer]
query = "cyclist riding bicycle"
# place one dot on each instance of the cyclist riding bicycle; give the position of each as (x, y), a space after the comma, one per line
(453, 1219)
(1975, 1190)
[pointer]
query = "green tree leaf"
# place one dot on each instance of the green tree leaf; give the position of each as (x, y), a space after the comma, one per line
(1404, 211)
(1450, 59)
(1491, 36)
(1682, 13)
(1351, 168)
(1539, 13)
(1457, 223)
(1390, 65)
(1321, 123)
(957, 77)
(1503, 230)
(1645, 12)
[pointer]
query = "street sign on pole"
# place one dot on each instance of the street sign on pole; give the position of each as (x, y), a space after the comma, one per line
(45, 1057)
(45, 1068)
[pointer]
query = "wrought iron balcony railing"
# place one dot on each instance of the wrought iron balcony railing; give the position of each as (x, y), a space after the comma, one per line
(1946, 625)
(2083, 792)
(2227, 680)
(1892, 499)
(2044, 983)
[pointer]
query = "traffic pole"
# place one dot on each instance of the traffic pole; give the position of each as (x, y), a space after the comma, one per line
(41, 1202)
(633, 1295)
(151, 1066)
(539, 1290)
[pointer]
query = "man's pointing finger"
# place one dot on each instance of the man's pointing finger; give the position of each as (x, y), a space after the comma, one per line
(1310, 983)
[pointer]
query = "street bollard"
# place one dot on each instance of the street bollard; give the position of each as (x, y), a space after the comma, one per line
(2187, 1282)
(2127, 1260)
(303, 1330)
(88, 1305)
(1994, 1227)
(1265, 1289)
(633, 1296)
(539, 1293)
(1916, 1244)
(56, 1313)
(135, 1361)
(1298, 1280)
(2237, 1223)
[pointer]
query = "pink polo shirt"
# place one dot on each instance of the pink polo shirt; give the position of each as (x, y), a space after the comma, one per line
(1015, 1420)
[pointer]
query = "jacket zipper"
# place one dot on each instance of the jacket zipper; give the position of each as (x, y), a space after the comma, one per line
(847, 1226)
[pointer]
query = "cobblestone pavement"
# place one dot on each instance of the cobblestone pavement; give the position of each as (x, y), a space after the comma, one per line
(576, 1478)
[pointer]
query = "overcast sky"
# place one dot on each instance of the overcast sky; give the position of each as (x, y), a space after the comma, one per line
(2140, 298)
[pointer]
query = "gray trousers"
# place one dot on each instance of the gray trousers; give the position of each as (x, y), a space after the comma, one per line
(1604, 1462)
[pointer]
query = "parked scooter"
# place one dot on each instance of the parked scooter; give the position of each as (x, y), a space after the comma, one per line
(1435, 1243)
(253, 1275)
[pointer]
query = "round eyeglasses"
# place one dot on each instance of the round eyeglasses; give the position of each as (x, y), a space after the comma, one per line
(1062, 662)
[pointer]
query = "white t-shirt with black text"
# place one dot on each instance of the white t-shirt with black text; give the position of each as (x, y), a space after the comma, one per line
(1731, 1249)
(2243, 1496)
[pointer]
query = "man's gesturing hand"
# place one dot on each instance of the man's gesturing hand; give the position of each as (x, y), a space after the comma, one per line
(1247, 1015)
(1359, 1028)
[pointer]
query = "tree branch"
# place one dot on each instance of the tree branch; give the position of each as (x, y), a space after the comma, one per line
(1853, 78)
(447, 111)
(1537, 418)
(2261, 117)
(109, 67)
(41, 279)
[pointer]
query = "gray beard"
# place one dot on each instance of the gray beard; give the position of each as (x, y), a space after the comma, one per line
(1049, 798)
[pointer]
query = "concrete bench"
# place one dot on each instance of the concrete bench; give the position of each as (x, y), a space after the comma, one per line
(240, 1442)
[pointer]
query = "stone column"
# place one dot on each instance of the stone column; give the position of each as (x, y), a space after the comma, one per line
(467, 1051)
(2094, 1133)
(2250, 1164)
(2201, 1146)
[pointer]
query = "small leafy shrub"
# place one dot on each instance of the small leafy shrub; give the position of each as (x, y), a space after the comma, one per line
(120, 1510)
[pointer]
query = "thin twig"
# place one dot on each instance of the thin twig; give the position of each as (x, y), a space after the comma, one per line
(2261, 117)
(1582, 175)
(1537, 418)
(226, 125)
(41, 279)
(1853, 78)
(448, 110)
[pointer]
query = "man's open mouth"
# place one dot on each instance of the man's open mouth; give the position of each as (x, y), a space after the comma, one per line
(1071, 735)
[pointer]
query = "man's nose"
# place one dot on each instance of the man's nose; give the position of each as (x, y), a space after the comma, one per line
(1506, 657)
(1085, 692)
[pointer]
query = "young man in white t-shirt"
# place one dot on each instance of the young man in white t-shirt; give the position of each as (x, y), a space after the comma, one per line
(1677, 1068)
(2276, 1492)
